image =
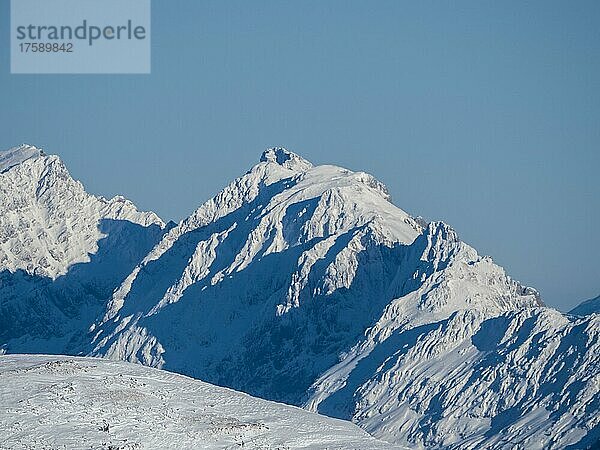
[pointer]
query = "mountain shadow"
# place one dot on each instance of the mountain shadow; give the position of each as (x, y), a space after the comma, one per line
(42, 315)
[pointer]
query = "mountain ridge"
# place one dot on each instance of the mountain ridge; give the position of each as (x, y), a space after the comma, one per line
(590, 306)
(304, 284)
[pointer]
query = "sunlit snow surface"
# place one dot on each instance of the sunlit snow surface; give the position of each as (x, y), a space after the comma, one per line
(17, 155)
(82, 403)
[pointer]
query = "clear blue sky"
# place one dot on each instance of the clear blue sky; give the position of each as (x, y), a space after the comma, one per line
(483, 114)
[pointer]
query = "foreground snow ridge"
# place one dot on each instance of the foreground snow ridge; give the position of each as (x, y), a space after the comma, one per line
(83, 403)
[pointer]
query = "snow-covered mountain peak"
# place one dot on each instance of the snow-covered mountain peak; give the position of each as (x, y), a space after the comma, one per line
(48, 222)
(285, 158)
(17, 155)
(298, 265)
(293, 202)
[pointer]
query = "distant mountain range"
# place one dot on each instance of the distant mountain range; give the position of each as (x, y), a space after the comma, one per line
(303, 285)
(588, 307)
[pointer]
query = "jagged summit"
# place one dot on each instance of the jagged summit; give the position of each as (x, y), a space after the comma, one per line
(291, 161)
(285, 158)
(17, 155)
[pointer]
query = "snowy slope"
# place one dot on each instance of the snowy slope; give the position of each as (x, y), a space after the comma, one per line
(82, 403)
(588, 307)
(527, 379)
(62, 251)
